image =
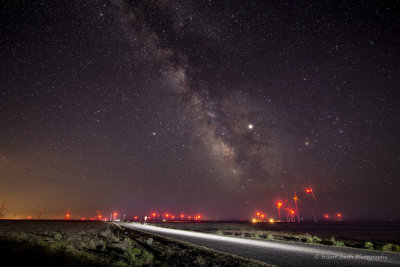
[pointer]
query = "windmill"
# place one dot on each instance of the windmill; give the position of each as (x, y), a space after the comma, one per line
(2, 208)
(99, 216)
(310, 191)
(287, 215)
(295, 202)
(67, 215)
(40, 212)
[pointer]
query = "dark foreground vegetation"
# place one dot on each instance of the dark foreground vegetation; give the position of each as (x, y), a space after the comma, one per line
(75, 243)
(373, 236)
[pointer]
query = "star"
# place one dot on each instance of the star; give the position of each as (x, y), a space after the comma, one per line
(250, 126)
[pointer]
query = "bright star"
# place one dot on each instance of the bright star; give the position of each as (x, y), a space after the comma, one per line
(250, 126)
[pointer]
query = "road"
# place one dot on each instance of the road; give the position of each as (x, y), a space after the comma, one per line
(278, 253)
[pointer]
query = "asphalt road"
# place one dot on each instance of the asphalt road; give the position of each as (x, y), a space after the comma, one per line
(278, 253)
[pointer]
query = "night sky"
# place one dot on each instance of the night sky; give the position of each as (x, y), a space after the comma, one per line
(212, 107)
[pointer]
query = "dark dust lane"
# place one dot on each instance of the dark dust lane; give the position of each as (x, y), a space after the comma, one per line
(277, 252)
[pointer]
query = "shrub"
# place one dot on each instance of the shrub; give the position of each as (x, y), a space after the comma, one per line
(309, 239)
(313, 239)
(200, 261)
(270, 236)
(336, 243)
(57, 236)
(147, 257)
(20, 236)
(316, 239)
(219, 232)
(128, 241)
(368, 245)
(132, 254)
(388, 247)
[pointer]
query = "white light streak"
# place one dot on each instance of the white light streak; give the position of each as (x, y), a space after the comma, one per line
(302, 248)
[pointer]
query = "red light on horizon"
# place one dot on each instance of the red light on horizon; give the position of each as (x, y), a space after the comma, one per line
(339, 215)
(154, 214)
(326, 216)
(115, 214)
(29, 217)
(258, 214)
(279, 204)
(308, 190)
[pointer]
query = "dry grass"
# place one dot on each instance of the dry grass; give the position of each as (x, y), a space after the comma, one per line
(58, 243)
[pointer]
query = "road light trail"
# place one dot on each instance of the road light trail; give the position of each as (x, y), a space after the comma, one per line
(296, 253)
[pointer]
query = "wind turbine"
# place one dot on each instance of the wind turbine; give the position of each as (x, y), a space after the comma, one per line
(2, 208)
(295, 202)
(311, 191)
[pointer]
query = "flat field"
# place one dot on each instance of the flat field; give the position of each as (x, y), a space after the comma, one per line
(381, 236)
(76, 243)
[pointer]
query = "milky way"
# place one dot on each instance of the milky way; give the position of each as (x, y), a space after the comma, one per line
(218, 107)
